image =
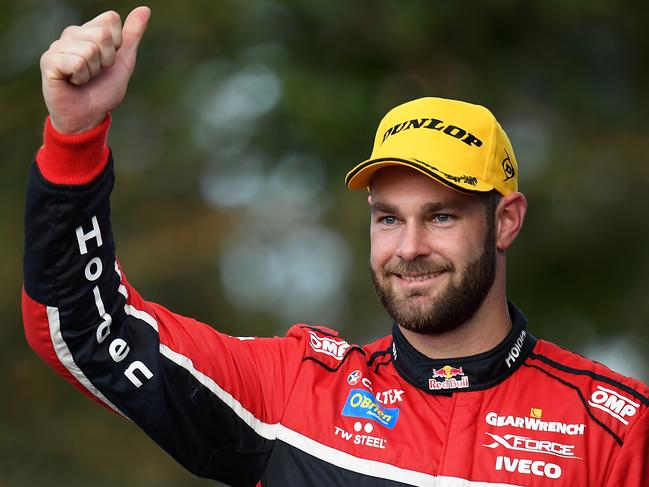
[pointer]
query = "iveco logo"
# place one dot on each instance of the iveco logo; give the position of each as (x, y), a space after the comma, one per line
(529, 467)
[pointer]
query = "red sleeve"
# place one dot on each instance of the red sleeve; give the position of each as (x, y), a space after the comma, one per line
(73, 159)
(211, 400)
(631, 468)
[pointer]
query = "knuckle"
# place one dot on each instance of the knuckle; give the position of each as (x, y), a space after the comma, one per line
(91, 50)
(70, 31)
(112, 17)
(78, 64)
(44, 60)
(104, 35)
(54, 46)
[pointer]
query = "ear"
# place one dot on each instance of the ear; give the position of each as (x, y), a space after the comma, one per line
(510, 215)
(369, 199)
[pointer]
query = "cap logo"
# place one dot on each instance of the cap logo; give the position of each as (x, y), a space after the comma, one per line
(472, 180)
(434, 124)
(508, 167)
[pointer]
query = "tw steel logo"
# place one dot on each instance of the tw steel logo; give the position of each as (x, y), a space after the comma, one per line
(328, 346)
(523, 443)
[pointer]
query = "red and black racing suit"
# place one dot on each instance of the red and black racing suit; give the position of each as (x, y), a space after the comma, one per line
(307, 408)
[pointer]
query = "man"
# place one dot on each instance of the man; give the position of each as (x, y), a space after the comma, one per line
(460, 394)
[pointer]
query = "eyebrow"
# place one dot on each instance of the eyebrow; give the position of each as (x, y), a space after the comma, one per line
(382, 207)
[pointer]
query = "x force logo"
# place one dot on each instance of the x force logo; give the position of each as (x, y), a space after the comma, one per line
(523, 443)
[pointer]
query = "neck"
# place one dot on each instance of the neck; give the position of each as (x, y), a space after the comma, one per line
(482, 332)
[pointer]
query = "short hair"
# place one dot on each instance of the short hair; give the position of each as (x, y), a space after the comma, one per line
(490, 200)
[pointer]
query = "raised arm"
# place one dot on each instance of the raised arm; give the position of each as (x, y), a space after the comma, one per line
(211, 400)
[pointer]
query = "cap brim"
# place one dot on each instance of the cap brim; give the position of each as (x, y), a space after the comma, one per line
(361, 175)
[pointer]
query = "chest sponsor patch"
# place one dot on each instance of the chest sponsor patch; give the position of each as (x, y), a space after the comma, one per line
(617, 405)
(354, 377)
(328, 346)
(448, 377)
(362, 404)
(531, 445)
(534, 424)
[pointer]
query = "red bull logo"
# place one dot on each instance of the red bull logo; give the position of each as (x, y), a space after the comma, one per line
(449, 378)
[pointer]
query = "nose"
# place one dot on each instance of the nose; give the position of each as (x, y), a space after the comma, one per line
(413, 242)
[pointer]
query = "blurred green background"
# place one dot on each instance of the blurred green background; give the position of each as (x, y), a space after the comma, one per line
(231, 147)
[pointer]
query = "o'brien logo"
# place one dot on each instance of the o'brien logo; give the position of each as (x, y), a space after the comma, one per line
(448, 375)
(362, 404)
(328, 346)
(617, 405)
(434, 124)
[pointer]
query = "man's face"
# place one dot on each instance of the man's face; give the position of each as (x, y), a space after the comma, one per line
(433, 253)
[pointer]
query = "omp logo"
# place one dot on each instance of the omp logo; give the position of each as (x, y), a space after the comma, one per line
(522, 443)
(362, 404)
(617, 405)
(535, 424)
(328, 346)
(529, 467)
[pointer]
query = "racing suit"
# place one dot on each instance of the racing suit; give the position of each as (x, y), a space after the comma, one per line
(308, 408)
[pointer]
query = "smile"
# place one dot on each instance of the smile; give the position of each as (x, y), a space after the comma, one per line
(414, 278)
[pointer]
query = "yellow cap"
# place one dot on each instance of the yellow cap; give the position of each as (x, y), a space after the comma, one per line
(457, 143)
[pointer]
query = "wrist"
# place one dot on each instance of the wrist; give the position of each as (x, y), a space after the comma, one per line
(73, 158)
(78, 128)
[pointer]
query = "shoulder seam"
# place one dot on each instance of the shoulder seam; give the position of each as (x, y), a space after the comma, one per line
(335, 369)
(320, 330)
(582, 399)
(602, 378)
(376, 355)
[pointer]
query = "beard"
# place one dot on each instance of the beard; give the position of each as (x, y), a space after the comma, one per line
(453, 305)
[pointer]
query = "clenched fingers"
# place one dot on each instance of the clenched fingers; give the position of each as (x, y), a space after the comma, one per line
(82, 51)
(112, 22)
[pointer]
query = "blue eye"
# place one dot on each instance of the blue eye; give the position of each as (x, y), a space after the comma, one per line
(388, 220)
(443, 218)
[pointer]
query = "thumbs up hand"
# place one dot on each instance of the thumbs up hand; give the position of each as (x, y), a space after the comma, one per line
(85, 73)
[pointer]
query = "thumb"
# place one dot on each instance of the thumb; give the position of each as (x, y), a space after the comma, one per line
(132, 33)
